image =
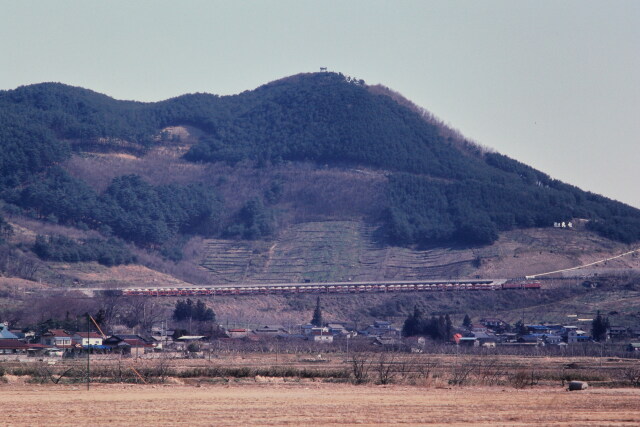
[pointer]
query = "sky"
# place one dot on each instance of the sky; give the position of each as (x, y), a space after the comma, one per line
(554, 84)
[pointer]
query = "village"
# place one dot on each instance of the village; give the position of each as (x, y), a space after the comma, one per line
(487, 334)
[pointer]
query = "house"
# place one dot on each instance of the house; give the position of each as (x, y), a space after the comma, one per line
(337, 329)
(633, 346)
(569, 334)
(5, 333)
(321, 335)
(483, 339)
(469, 341)
(270, 330)
(617, 332)
(532, 339)
(162, 341)
(14, 346)
(415, 344)
(381, 328)
(478, 327)
(584, 338)
(237, 332)
(185, 341)
(87, 339)
(493, 323)
(128, 344)
(540, 329)
(24, 336)
(552, 339)
(509, 337)
(388, 341)
(161, 337)
(319, 330)
(57, 338)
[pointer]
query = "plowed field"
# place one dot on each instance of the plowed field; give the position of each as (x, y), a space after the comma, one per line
(313, 404)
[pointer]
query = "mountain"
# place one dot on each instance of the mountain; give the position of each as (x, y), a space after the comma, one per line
(314, 177)
(440, 189)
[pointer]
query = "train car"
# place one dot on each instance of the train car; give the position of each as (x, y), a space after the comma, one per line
(520, 285)
(340, 288)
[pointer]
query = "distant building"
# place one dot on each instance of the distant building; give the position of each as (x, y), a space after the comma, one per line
(617, 332)
(5, 333)
(128, 344)
(533, 339)
(337, 329)
(493, 323)
(85, 339)
(321, 335)
(270, 331)
(478, 327)
(381, 328)
(57, 338)
(415, 344)
(633, 346)
(469, 342)
(14, 346)
(237, 332)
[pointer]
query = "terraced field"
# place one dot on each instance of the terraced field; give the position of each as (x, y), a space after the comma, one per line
(348, 251)
(329, 251)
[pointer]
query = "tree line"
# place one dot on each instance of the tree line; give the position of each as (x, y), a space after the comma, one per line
(108, 252)
(438, 328)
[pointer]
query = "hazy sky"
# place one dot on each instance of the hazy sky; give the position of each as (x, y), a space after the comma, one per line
(555, 84)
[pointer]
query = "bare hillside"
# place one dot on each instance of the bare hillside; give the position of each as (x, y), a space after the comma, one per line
(347, 251)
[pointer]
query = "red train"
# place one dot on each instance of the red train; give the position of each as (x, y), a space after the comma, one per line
(520, 285)
(341, 288)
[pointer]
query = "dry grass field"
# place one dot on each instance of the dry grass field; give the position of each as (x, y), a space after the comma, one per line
(314, 404)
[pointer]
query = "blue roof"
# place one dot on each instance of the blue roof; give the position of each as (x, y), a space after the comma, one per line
(6, 334)
(99, 347)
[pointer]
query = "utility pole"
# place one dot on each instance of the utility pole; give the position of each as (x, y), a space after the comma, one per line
(348, 335)
(88, 352)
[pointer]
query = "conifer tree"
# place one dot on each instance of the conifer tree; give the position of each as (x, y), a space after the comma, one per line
(317, 314)
(448, 328)
(599, 327)
(467, 321)
(414, 323)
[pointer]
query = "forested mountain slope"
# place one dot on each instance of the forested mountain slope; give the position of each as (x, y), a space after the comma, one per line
(436, 189)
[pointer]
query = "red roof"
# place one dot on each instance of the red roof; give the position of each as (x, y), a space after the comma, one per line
(57, 333)
(13, 344)
(36, 346)
(137, 343)
(91, 335)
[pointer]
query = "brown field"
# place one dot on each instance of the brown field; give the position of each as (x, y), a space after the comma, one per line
(314, 404)
(413, 397)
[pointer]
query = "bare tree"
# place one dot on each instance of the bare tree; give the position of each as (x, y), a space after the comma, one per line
(360, 366)
(632, 375)
(385, 368)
